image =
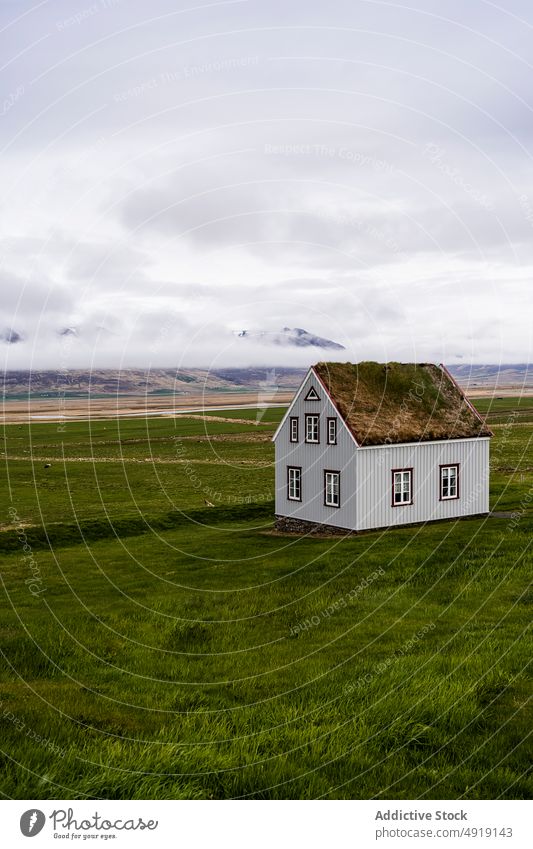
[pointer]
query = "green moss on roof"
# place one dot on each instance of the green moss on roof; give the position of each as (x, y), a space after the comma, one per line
(389, 403)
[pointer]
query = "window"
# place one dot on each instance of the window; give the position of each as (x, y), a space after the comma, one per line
(402, 487)
(449, 482)
(332, 431)
(311, 428)
(312, 395)
(294, 483)
(332, 489)
(294, 429)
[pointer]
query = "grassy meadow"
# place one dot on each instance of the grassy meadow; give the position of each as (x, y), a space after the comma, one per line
(155, 646)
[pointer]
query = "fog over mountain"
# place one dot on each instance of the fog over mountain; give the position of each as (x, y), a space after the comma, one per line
(291, 337)
(173, 176)
(9, 336)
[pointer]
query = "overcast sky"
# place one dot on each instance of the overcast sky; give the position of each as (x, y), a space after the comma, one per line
(363, 170)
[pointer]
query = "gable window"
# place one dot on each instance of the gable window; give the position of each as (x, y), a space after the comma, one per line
(402, 487)
(311, 427)
(294, 483)
(332, 489)
(449, 482)
(332, 431)
(294, 429)
(312, 395)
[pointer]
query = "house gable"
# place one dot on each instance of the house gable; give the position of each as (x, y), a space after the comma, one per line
(323, 405)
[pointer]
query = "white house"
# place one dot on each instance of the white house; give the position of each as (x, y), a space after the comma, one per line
(373, 445)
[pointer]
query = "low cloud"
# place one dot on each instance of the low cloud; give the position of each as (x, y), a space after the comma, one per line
(173, 176)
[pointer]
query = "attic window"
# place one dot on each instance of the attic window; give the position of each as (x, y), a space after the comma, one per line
(294, 429)
(312, 430)
(332, 431)
(312, 395)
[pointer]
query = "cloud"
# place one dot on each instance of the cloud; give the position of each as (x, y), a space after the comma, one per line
(171, 175)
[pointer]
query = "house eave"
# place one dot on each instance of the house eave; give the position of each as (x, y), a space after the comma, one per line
(419, 442)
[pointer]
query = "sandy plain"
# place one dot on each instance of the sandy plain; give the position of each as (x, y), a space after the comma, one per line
(75, 409)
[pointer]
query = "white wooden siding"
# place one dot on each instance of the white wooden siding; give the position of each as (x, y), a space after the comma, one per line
(374, 482)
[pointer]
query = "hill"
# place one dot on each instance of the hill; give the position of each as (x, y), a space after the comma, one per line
(194, 381)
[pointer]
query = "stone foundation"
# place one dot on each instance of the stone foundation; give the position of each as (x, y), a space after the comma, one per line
(290, 525)
(302, 527)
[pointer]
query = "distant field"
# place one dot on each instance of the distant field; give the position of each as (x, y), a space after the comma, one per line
(71, 409)
(499, 410)
(177, 650)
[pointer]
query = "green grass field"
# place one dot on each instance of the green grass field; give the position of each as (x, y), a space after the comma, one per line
(156, 647)
(499, 410)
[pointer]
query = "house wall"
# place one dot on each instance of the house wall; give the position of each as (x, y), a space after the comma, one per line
(314, 459)
(374, 482)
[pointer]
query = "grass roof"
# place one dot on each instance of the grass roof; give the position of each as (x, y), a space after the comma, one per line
(389, 403)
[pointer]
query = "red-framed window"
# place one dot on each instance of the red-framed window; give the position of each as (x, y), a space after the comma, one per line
(294, 483)
(449, 482)
(332, 430)
(402, 487)
(312, 427)
(332, 488)
(293, 428)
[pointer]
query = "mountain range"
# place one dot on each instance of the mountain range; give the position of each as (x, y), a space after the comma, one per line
(295, 336)
(291, 336)
(197, 381)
